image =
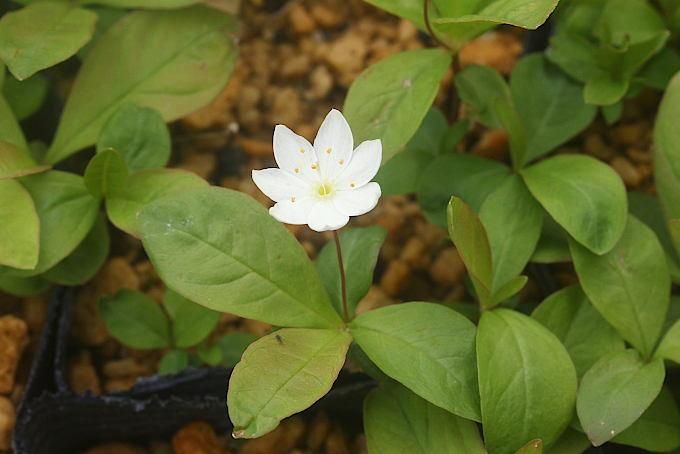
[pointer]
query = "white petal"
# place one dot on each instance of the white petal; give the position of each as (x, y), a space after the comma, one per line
(294, 154)
(291, 212)
(279, 185)
(333, 144)
(362, 167)
(358, 201)
(324, 216)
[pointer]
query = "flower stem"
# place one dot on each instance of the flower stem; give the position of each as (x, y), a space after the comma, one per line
(343, 280)
(430, 30)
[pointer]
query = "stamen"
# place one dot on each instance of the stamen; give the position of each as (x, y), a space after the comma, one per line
(352, 185)
(292, 199)
(314, 166)
(328, 150)
(297, 170)
(302, 150)
(341, 162)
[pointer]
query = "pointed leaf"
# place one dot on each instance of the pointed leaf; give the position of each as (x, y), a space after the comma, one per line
(481, 88)
(191, 322)
(669, 348)
(667, 150)
(106, 174)
(19, 227)
(17, 162)
(173, 362)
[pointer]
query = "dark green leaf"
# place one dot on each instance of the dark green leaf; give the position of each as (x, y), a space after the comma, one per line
(22, 286)
(481, 88)
(233, 345)
(669, 348)
(191, 322)
(173, 362)
(106, 174)
(25, 97)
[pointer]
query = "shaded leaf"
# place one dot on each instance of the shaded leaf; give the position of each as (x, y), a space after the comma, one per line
(191, 322)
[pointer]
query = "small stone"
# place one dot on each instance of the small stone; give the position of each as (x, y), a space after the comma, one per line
(627, 171)
(448, 268)
(406, 31)
(632, 134)
(347, 54)
(255, 147)
(286, 107)
(256, 327)
(493, 144)
(116, 448)
(321, 82)
(119, 384)
(7, 421)
(595, 146)
(300, 19)
(414, 252)
(374, 299)
(202, 164)
(296, 66)
(279, 441)
(336, 443)
(498, 50)
(82, 375)
(318, 431)
(126, 367)
(326, 15)
(639, 156)
(395, 277)
(197, 438)
(34, 313)
(13, 340)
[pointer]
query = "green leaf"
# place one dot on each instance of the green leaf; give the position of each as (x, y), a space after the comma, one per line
(106, 174)
(660, 69)
(658, 429)
(571, 442)
(462, 175)
(667, 150)
(533, 447)
(629, 285)
(17, 162)
(210, 355)
(396, 420)
(42, 35)
(191, 322)
(233, 345)
(186, 59)
(173, 362)
(587, 336)
(147, 4)
(527, 381)
(26, 97)
(509, 290)
(293, 368)
(19, 227)
(135, 320)
(549, 104)
(83, 263)
(612, 113)
(139, 134)
(512, 219)
(389, 100)
(213, 242)
(481, 88)
(471, 240)
(66, 211)
(360, 250)
(142, 188)
(22, 286)
(428, 348)
(10, 131)
(669, 348)
(615, 392)
(584, 195)
(553, 245)
(521, 13)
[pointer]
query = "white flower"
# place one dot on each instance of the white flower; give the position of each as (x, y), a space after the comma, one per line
(321, 185)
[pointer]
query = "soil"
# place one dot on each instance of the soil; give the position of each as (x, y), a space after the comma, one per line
(296, 62)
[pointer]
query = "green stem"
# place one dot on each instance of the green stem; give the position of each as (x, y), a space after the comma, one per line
(343, 280)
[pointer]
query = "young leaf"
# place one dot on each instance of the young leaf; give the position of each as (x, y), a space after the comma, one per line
(389, 100)
(25, 97)
(428, 348)
(514, 286)
(83, 263)
(19, 227)
(233, 345)
(17, 162)
(293, 368)
(212, 242)
(106, 174)
(396, 420)
(462, 175)
(658, 429)
(669, 348)
(191, 322)
(629, 285)
(481, 88)
(527, 381)
(615, 392)
(42, 35)
(512, 219)
(549, 104)
(66, 211)
(360, 249)
(135, 320)
(185, 61)
(584, 195)
(470, 238)
(142, 188)
(173, 362)
(667, 150)
(139, 134)
(581, 329)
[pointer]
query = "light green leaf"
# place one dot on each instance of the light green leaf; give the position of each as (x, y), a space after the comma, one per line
(293, 368)
(470, 238)
(42, 35)
(669, 348)
(83, 263)
(553, 245)
(142, 188)
(527, 381)
(26, 97)
(428, 348)
(360, 250)
(533, 447)
(629, 285)
(512, 219)
(389, 100)
(173, 362)
(191, 322)
(209, 354)
(521, 13)
(481, 88)
(584, 195)
(19, 227)
(106, 174)
(139, 134)
(135, 320)
(658, 429)
(233, 345)
(509, 290)
(397, 420)
(667, 150)
(10, 131)
(17, 162)
(462, 175)
(213, 242)
(186, 59)
(615, 392)
(581, 329)
(147, 4)
(571, 442)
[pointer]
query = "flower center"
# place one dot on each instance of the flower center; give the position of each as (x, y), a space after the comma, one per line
(324, 189)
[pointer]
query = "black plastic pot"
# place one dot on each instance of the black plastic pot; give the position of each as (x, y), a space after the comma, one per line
(53, 419)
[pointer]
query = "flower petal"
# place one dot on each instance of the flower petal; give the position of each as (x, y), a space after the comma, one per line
(291, 212)
(279, 185)
(362, 167)
(324, 216)
(333, 144)
(358, 201)
(294, 154)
